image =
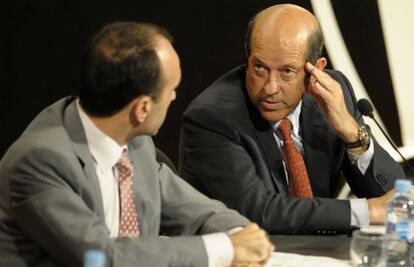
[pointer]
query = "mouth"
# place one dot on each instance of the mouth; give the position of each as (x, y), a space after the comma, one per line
(270, 105)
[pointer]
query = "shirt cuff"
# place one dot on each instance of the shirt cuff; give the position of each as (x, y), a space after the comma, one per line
(219, 249)
(362, 161)
(359, 212)
(234, 230)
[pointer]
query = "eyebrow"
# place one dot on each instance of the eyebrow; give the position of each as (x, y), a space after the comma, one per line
(256, 59)
(292, 65)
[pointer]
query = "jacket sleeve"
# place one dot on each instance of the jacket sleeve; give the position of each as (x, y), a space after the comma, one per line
(53, 211)
(186, 211)
(382, 172)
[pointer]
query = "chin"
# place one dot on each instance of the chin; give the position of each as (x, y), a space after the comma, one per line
(153, 133)
(273, 116)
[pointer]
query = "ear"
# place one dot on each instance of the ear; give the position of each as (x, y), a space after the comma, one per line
(140, 109)
(321, 63)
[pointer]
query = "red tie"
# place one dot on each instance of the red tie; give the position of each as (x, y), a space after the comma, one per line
(129, 219)
(299, 180)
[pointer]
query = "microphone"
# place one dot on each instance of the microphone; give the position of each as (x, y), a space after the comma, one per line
(366, 109)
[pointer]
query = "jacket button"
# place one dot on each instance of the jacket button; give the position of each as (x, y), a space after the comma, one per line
(380, 178)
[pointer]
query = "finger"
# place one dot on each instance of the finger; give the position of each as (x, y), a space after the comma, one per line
(267, 250)
(268, 256)
(319, 75)
(316, 89)
(252, 226)
(248, 229)
(321, 92)
(272, 248)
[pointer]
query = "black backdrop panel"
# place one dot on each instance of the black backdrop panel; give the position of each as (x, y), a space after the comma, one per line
(363, 35)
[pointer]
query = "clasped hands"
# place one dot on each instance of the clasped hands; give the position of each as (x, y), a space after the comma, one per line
(252, 247)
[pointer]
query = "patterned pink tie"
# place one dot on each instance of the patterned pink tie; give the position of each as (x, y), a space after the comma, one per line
(129, 219)
(299, 180)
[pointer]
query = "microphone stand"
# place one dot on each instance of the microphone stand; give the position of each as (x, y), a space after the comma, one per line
(406, 163)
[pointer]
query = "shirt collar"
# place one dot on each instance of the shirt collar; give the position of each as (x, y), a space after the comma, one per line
(105, 151)
(294, 119)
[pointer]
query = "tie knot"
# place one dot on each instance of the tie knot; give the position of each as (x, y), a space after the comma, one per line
(124, 164)
(285, 127)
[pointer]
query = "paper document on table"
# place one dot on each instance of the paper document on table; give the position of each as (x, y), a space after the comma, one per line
(280, 259)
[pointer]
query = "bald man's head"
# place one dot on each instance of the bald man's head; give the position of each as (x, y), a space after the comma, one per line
(286, 21)
(281, 40)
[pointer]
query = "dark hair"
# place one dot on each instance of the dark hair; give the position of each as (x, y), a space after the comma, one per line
(315, 46)
(248, 36)
(120, 64)
(315, 42)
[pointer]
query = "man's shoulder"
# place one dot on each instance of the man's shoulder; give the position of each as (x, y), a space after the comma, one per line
(46, 133)
(225, 99)
(142, 144)
(224, 92)
(49, 124)
(225, 104)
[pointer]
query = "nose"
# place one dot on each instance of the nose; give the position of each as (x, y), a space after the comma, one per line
(271, 86)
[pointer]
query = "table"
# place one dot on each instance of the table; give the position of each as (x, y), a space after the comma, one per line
(335, 246)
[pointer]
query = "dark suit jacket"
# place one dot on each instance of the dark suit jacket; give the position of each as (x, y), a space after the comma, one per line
(229, 152)
(51, 206)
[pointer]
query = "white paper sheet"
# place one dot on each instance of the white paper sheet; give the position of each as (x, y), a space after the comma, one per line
(280, 259)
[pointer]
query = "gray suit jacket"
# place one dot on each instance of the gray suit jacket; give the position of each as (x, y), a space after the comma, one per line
(229, 152)
(51, 206)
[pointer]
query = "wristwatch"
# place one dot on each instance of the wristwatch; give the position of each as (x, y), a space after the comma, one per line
(363, 138)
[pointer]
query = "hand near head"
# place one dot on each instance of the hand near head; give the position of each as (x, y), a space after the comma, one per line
(251, 246)
(328, 93)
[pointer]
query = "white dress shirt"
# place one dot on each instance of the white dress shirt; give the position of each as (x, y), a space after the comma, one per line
(106, 152)
(359, 206)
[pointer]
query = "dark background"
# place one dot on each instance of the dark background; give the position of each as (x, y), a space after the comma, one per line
(42, 43)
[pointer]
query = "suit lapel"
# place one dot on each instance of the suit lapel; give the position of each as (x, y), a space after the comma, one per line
(74, 128)
(77, 135)
(315, 140)
(263, 132)
(273, 158)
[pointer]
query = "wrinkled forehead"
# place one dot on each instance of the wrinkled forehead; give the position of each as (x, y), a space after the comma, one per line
(271, 45)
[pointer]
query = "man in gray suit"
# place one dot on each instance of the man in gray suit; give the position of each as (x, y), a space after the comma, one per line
(84, 175)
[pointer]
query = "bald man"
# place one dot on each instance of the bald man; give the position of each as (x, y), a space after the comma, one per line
(84, 174)
(271, 139)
